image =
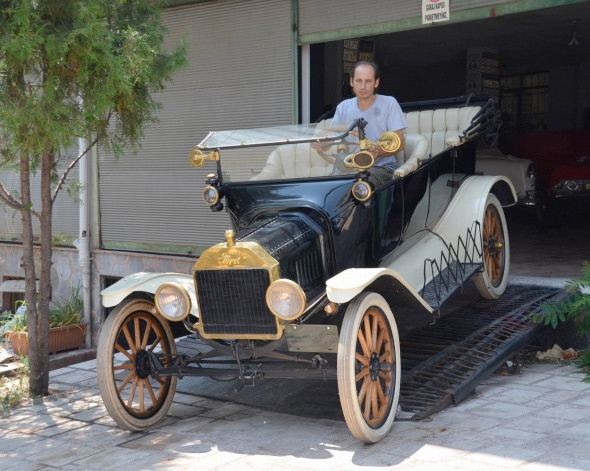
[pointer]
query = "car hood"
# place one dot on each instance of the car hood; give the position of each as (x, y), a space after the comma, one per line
(297, 243)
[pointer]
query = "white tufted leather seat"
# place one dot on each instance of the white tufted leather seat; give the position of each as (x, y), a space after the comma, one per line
(415, 148)
(294, 161)
(440, 126)
(429, 132)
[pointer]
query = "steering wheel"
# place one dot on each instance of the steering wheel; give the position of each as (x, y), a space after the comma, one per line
(342, 147)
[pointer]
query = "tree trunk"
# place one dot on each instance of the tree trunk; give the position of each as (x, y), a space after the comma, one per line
(28, 262)
(39, 383)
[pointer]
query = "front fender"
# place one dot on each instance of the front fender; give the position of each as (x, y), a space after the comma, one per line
(147, 283)
(408, 307)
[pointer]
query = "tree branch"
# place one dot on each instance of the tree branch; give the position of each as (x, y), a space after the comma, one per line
(8, 199)
(70, 167)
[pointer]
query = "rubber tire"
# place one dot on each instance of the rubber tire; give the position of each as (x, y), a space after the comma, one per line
(346, 368)
(482, 281)
(104, 364)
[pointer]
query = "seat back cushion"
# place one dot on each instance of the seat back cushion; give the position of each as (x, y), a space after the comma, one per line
(294, 161)
(438, 125)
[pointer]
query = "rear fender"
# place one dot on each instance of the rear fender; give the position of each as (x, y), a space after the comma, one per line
(466, 208)
(144, 282)
(468, 205)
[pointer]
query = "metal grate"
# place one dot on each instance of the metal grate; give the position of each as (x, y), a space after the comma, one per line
(233, 302)
(443, 363)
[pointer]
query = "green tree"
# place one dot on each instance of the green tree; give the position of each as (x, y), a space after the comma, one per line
(69, 69)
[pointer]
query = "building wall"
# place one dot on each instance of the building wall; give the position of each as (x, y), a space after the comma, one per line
(317, 16)
(65, 271)
(113, 265)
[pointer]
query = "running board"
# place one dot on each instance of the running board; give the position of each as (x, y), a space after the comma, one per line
(448, 281)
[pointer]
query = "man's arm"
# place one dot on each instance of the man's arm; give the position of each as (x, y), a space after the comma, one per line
(379, 152)
(396, 122)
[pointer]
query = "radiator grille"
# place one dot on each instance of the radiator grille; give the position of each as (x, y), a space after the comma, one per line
(233, 302)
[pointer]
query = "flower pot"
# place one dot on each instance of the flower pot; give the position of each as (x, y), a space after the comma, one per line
(60, 339)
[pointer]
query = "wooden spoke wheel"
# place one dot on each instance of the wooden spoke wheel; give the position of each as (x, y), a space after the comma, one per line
(369, 367)
(493, 245)
(135, 398)
(492, 282)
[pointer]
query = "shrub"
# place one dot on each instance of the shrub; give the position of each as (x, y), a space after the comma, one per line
(68, 312)
(575, 308)
(61, 314)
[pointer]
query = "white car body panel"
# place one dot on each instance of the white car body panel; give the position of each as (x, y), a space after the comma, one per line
(467, 206)
(349, 283)
(148, 283)
(493, 162)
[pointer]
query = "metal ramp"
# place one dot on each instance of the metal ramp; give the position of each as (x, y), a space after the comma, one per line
(444, 363)
(441, 364)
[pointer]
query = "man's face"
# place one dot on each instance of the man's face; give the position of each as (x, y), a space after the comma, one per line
(363, 82)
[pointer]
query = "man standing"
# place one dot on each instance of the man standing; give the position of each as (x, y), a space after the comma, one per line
(381, 112)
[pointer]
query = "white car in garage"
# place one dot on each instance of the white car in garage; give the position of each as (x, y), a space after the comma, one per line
(521, 172)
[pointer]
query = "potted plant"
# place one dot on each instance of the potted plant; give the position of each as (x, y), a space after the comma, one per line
(66, 327)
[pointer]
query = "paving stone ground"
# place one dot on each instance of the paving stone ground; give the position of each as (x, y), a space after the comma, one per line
(536, 420)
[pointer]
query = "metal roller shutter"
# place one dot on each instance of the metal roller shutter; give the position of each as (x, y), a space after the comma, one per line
(65, 209)
(239, 76)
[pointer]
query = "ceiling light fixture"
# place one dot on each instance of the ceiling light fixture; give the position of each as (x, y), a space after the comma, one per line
(574, 41)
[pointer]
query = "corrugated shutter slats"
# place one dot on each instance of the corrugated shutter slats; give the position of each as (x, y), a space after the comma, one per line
(239, 76)
(66, 210)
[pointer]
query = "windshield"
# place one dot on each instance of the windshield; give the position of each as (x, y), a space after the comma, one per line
(276, 135)
(285, 152)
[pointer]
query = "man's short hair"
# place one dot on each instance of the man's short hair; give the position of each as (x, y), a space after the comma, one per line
(372, 64)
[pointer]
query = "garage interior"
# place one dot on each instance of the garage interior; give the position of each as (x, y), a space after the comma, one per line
(430, 62)
(544, 86)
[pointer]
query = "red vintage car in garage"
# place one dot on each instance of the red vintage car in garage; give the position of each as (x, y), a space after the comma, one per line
(562, 161)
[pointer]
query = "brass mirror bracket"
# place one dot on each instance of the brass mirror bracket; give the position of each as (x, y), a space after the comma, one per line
(197, 157)
(389, 142)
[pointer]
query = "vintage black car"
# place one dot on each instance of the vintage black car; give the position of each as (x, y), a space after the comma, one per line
(329, 261)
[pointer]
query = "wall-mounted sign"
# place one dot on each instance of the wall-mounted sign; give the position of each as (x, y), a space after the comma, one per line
(434, 11)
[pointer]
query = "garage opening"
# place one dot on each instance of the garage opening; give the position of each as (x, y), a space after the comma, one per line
(535, 64)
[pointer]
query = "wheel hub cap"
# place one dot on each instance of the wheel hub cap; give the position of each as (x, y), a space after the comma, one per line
(142, 364)
(491, 245)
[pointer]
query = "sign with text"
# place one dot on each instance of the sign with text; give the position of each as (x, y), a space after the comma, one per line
(434, 11)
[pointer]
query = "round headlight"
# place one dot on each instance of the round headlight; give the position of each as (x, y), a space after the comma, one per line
(172, 301)
(285, 299)
(211, 195)
(571, 185)
(361, 190)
